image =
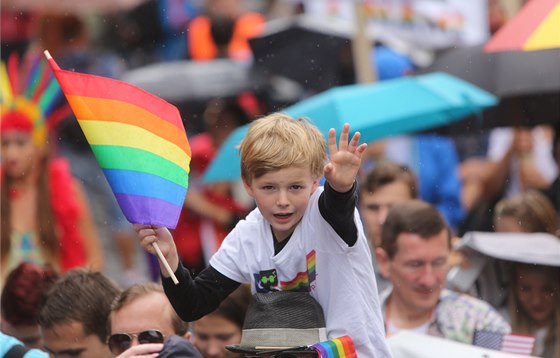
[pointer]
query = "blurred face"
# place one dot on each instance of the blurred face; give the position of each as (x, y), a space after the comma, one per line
(28, 334)
(212, 333)
(374, 207)
(536, 294)
(68, 340)
(150, 312)
(418, 270)
(507, 224)
(19, 154)
(282, 197)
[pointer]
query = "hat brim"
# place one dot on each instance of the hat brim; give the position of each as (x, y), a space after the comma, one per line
(236, 348)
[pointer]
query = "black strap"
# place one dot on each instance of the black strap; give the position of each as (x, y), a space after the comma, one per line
(17, 351)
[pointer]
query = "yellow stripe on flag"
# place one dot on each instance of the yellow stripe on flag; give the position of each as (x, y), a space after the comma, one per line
(126, 135)
(339, 347)
(547, 34)
(110, 110)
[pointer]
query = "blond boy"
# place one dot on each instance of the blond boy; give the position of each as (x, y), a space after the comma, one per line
(301, 237)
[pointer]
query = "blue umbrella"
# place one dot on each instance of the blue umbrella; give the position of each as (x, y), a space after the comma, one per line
(392, 107)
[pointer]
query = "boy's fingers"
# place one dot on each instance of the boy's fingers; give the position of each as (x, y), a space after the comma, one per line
(343, 142)
(332, 141)
(354, 142)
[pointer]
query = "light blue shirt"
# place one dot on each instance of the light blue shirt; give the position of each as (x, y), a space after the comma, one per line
(7, 342)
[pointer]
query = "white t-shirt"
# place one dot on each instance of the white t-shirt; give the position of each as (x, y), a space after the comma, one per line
(498, 144)
(315, 260)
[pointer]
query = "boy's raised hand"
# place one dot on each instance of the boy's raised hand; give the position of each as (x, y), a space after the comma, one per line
(149, 234)
(345, 160)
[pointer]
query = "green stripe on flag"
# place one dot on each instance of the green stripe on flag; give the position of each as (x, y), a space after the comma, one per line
(127, 158)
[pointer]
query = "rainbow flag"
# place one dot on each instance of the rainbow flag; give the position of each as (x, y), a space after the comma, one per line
(535, 27)
(341, 347)
(139, 141)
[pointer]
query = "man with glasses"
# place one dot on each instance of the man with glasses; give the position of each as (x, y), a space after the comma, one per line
(141, 320)
(73, 319)
(414, 251)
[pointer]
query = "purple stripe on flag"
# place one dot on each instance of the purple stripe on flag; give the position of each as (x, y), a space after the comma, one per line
(149, 211)
(321, 349)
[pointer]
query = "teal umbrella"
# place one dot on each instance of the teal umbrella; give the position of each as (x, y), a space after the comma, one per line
(392, 107)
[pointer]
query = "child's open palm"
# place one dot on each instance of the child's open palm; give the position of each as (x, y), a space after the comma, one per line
(345, 160)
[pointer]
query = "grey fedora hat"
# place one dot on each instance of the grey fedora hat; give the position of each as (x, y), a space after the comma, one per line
(282, 320)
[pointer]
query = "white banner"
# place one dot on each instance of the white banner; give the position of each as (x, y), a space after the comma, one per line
(431, 24)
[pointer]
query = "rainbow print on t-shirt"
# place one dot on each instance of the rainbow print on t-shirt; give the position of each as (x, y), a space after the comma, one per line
(302, 281)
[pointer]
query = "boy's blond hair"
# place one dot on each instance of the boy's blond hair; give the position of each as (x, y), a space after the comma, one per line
(279, 141)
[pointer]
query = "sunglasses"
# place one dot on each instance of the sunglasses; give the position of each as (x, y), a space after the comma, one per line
(120, 342)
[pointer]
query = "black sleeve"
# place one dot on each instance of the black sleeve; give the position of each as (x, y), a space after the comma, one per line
(193, 299)
(338, 210)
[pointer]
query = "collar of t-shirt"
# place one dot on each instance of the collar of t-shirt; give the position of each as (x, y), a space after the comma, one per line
(279, 245)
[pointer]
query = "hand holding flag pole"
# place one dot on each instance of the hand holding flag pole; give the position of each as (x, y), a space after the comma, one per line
(140, 143)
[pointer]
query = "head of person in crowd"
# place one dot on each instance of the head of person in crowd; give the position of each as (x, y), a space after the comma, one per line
(534, 306)
(73, 319)
(413, 254)
(382, 187)
(143, 314)
(527, 212)
(213, 332)
(22, 296)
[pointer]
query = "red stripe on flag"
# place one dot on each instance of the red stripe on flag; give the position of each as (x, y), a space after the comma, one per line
(349, 349)
(518, 344)
(80, 84)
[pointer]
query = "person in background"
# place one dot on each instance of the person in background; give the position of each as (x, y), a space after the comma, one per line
(414, 253)
(432, 157)
(73, 319)
(45, 217)
(140, 315)
(72, 43)
(553, 191)
(22, 295)
(223, 32)
(521, 159)
(382, 187)
(526, 212)
(12, 347)
(222, 327)
(534, 306)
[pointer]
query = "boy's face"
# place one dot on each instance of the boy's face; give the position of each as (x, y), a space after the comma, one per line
(282, 197)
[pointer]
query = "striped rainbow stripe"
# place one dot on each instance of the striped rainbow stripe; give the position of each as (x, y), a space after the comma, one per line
(139, 141)
(341, 347)
(301, 282)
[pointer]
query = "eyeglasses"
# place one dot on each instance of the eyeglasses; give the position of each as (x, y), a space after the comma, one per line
(120, 342)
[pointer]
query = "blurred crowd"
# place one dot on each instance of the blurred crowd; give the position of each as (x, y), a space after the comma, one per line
(75, 281)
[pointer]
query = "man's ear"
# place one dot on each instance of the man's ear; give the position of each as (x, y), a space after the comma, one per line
(383, 262)
(188, 336)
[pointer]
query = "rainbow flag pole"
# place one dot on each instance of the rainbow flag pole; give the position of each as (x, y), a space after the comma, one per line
(140, 144)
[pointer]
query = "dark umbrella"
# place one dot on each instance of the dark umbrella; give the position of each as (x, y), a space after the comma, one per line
(315, 51)
(527, 83)
(179, 81)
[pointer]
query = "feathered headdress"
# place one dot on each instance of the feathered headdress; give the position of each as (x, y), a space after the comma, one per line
(29, 98)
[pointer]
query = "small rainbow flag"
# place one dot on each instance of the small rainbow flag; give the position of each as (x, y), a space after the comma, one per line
(139, 141)
(341, 347)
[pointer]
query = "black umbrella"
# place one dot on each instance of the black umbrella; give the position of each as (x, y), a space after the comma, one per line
(527, 83)
(316, 51)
